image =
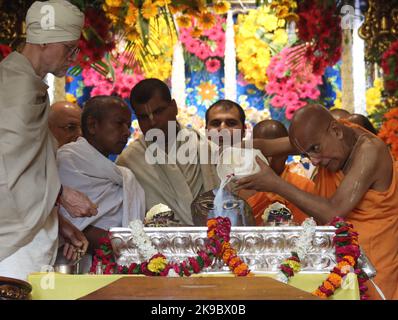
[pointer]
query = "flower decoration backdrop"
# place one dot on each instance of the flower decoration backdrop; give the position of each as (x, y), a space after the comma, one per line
(137, 40)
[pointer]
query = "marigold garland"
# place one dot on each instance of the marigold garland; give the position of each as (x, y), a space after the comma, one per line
(347, 254)
(217, 246)
(389, 131)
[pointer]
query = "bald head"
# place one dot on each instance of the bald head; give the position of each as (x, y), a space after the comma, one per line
(340, 114)
(269, 129)
(363, 121)
(272, 129)
(64, 122)
(316, 133)
(308, 122)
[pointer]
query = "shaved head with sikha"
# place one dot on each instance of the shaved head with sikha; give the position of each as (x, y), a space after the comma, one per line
(64, 122)
(317, 134)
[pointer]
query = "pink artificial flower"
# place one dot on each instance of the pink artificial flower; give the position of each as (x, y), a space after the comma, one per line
(277, 101)
(280, 71)
(220, 51)
(203, 52)
(185, 37)
(290, 98)
(124, 92)
(314, 94)
(290, 85)
(213, 65)
(192, 46)
(289, 112)
(271, 87)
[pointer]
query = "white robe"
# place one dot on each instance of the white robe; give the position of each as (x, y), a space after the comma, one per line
(29, 182)
(175, 185)
(114, 189)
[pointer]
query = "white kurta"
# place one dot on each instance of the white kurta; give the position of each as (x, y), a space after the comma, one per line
(175, 185)
(114, 189)
(29, 182)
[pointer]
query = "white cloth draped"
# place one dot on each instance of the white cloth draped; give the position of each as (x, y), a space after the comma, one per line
(119, 196)
(29, 182)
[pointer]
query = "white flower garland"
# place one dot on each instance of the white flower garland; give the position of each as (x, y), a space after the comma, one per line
(303, 244)
(141, 240)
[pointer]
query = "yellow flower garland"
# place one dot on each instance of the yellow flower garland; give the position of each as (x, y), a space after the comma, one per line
(259, 35)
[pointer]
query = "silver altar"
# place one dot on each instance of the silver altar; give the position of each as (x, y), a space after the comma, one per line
(262, 248)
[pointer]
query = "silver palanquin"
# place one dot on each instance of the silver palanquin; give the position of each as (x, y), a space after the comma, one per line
(262, 248)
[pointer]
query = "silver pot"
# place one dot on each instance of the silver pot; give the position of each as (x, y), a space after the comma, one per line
(66, 268)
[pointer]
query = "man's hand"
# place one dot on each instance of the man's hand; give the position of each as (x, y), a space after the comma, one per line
(261, 181)
(77, 204)
(74, 239)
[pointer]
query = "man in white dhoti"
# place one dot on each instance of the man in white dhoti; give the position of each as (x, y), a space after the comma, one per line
(172, 182)
(64, 122)
(29, 182)
(84, 166)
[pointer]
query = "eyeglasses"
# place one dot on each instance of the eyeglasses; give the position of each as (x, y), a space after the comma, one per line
(71, 127)
(72, 52)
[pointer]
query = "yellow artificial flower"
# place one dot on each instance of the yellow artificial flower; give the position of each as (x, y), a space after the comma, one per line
(221, 7)
(206, 20)
(254, 41)
(149, 9)
(184, 21)
(282, 11)
(280, 37)
(132, 14)
(373, 96)
(114, 3)
(157, 264)
(270, 22)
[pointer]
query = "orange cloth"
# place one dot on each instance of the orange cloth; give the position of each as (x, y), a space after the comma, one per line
(262, 200)
(376, 220)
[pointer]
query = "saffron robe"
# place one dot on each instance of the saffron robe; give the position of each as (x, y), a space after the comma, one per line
(262, 200)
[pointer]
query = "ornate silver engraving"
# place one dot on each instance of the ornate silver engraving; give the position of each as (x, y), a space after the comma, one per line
(262, 248)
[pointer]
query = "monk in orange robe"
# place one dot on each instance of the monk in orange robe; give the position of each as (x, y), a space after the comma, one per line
(259, 201)
(357, 179)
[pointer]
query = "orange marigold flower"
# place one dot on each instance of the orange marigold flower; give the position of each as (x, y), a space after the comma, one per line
(242, 268)
(319, 293)
(211, 233)
(350, 259)
(335, 279)
(342, 264)
(211, 223)
(233, 261)
(328, 285)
